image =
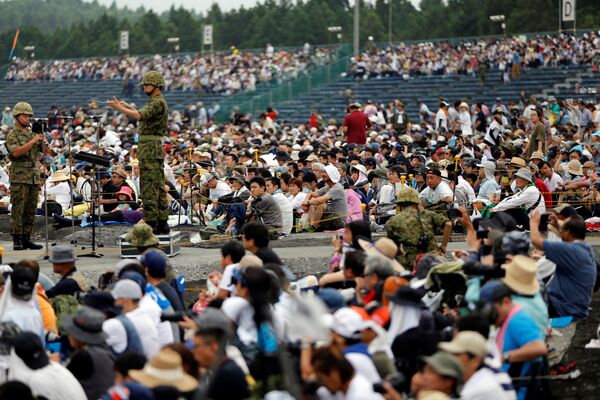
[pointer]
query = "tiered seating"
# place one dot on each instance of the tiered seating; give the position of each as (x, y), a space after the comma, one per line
(42, 95)
(330, 101)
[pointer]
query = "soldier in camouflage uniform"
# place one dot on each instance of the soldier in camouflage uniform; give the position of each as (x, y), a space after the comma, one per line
(24, 148)
(153, 119)
(414, 230)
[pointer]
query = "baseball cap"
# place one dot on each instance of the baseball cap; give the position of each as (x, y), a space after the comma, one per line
(213, 319)
(347, 323)
(466, 342)
(434, 171)
(446, 364)
(156, 262)
(23, 280)
(28, 346)
(127, 289)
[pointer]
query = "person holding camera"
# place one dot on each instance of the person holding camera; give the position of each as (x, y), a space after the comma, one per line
(24, 147)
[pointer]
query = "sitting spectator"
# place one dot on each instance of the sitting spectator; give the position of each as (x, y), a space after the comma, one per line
(46, 378)
(327, 207)
(263, 206)
(527, 199)
(437, 191)
(255, 238)
(91, 363)
(72, 282)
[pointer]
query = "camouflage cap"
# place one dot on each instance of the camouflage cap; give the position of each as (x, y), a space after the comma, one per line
(22, 108)
(153, 78)
(141, 236)
(407, 195)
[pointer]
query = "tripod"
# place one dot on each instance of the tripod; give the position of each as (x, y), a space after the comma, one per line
(94, 197)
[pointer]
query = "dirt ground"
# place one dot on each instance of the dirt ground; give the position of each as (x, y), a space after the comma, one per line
(587, 386)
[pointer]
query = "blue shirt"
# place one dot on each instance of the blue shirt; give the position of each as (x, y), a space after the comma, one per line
(571, 288)
(536, 308)
(521, 330)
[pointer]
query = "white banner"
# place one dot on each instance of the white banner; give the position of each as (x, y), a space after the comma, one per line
(208, 35)
(124, 41)
(568, 10)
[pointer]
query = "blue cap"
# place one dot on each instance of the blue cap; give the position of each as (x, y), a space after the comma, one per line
(156, 262)
(136, 277)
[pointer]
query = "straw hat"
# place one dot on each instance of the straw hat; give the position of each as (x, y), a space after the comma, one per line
(166, 368)
(521, 275)
(518, 162)
(59, 176)
(574, 168)
(385, 247)
(537, 155)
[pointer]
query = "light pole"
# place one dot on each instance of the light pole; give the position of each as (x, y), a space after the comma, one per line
(175, 42)
(356, 27)
(390, 22)
(30, 51)
(499, 18)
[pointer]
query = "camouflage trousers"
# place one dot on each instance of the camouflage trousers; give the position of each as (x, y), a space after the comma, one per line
(152, 190)
(23, 198)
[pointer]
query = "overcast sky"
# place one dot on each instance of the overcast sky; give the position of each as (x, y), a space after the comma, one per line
(197, 5)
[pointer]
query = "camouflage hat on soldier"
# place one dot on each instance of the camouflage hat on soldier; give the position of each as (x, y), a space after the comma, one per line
(141, 236)
(154, 78)
(22, 108)
(407, 195)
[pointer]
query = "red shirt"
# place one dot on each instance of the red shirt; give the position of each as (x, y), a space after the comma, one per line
(546, 194)
(357, 123)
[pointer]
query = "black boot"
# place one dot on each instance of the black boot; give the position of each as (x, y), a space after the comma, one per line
(154, 226)
(17, 243)
(162, 227)
(28, 244)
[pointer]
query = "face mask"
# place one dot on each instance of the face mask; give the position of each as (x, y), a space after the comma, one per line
(588, 172)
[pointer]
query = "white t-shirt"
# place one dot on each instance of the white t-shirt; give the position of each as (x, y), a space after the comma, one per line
(287, 215)
(363, 365)
(226, 283)
(484, 386)
(433, 196)
(54, 382)
(61, 192)
(296, 202)
(116, 335)
(240, 311)
(553, 182)
(359, 389)
(220, 190)
(147, 331)
(153, 310)
(441, 120)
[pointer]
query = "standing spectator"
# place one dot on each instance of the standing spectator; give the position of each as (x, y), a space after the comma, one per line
(570, 291)
(441, 118)
(155, 263)
(355, 125)
(7, 118)
(537, 139)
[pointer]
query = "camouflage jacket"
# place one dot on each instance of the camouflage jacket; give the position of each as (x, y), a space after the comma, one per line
(24, 169)
(153, 127)
(404, 229)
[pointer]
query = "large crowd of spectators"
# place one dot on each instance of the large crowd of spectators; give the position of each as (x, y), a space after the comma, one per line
(224, 73)
(384, 318)
(507, 54)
